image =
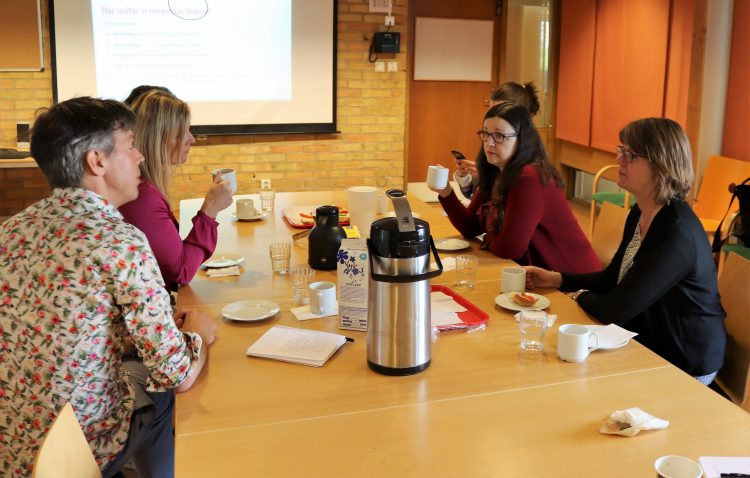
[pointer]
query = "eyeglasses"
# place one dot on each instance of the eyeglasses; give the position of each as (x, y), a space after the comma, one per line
(497, 138)
(627, 155)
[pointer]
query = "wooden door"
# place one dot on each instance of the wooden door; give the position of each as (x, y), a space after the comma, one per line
(445, 115)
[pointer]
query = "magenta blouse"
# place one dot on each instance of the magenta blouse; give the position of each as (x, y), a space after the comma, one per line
(178, 259)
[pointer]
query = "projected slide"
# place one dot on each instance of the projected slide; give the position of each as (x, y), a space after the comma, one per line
(243, 66)
(190, 47)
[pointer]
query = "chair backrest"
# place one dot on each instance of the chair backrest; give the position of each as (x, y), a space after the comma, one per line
(713, 196)
(734, 287)
(608, 231)
(65, 451)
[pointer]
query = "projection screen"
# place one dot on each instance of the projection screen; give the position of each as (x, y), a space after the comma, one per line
(244, 66)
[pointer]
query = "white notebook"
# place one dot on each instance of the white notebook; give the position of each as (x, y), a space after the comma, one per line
(289, 344)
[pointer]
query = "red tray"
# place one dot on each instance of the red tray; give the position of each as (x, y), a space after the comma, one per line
(473, 315)
(293, 218)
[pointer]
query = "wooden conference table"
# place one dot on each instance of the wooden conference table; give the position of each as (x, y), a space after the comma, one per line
(483, 408)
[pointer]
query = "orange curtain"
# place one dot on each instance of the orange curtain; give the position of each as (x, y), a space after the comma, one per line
(629, 66)
(575, 75)
(737, 119)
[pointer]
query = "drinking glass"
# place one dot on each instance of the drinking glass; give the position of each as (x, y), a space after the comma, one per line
(532, 325)
(281, 254)
(302, 276)
(466, 270)
(266, 199)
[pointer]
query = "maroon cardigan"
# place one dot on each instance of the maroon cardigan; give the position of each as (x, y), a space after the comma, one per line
(178, 260)
(538, 227)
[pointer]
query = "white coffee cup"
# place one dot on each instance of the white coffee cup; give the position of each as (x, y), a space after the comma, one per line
(573, 342)
(246, 209)
(674, 466)
(227, 174)
(322, 297)
(437, 177)
(512, 279)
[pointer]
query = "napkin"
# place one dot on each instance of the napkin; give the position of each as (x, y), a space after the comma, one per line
(304, 313)
(551, 318)
(631, 421)
(224, 271)
(449, 263)
(613, 334)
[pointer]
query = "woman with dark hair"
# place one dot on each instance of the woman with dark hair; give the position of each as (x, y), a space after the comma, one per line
(661, 282)
(526, 95)
(520, 205)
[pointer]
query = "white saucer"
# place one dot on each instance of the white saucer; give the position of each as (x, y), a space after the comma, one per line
(605, 346)
(250, 310)
(507, 303)
(257, 217)
(218, 261)
(451, 244)
(415, 215)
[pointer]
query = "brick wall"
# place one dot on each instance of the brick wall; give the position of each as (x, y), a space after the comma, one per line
(371, 115)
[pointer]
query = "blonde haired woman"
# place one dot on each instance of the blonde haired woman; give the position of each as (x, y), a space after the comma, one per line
(162, 135)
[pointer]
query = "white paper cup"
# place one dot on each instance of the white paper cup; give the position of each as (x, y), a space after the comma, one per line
(573, 342)
(673, 466)
(437, 177)
(322, 297)
(246, 208)
(227, 175)
(512, 279)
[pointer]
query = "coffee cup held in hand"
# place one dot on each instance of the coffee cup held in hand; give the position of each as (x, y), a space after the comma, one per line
(226, 174)
(437, 177)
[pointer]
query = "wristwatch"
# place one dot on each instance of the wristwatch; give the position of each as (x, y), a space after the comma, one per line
(577, 293)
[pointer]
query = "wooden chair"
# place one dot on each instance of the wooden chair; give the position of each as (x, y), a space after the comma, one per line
(621, 199)
(713, 196)
(734, 287)
(65, 451)
(607, 234)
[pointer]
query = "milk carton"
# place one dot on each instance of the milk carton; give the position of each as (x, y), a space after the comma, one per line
(353, 269)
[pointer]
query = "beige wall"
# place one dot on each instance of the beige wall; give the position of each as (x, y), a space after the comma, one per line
(370, 111)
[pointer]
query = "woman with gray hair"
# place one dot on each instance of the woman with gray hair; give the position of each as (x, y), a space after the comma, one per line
(661, 282)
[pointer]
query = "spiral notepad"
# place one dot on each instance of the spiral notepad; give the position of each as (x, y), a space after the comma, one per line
(302, 346)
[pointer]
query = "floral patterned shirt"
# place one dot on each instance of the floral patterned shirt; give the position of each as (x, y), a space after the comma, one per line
(75, 280)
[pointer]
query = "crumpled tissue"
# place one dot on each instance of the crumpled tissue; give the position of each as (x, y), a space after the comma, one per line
(631, 421)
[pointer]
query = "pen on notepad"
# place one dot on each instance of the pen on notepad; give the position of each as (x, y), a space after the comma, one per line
(349, 339)
(734, 475)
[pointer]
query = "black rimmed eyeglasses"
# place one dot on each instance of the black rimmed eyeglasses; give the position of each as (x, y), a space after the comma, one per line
(627, 155)
(497, 137)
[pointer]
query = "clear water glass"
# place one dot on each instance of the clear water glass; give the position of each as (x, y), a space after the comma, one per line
(302, 276)
(281, 255)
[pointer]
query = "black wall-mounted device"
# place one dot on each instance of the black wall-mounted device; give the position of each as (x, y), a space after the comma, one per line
(387, 42)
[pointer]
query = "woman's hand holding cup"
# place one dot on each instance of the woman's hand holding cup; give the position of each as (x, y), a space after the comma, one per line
(437, 180)
(538, 277)
(218, 197)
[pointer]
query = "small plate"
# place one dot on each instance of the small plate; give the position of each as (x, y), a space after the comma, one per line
(504, 301)
(451, 244)
(415, 215)
(257, 217)
(218, 261)
(594, 328)
(250, 310)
